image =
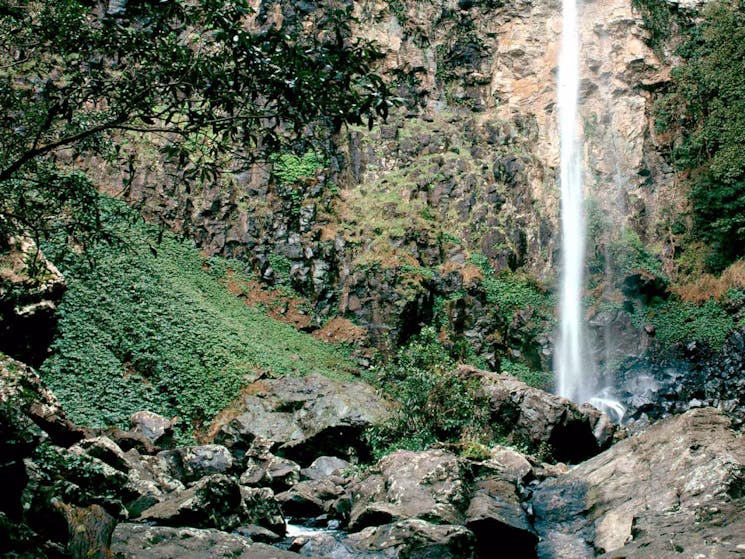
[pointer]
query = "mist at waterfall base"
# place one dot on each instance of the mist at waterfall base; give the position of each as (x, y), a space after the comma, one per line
(576, 375)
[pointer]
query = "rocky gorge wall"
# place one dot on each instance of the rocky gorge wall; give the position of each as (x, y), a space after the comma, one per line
(468, 166)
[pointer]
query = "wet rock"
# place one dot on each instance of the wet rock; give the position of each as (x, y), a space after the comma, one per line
(258, 533)
(138, 541)
(680, 479)
(406, 484)
(305, 417)
(697, 377)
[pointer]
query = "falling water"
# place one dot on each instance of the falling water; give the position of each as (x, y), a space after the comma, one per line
(575, 368)
(574, 372)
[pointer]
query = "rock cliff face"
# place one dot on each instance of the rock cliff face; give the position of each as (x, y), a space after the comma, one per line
(468, 165)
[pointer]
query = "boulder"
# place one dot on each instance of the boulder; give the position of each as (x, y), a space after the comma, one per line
(406, 484)
(496, 518)
(191, 463)
(22, 393)
(156, 428)
(509, 464)
(271, 471)
(304, 417)
(546, 423)
(673, 489)
(213, 502)
(311, 498)
(415, 539)
(324, 466)
(258, 533)
(139, 541)
(259, 506)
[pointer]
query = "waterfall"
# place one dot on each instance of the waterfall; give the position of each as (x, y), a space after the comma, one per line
(574, 370)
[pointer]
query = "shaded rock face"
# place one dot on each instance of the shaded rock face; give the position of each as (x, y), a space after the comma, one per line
(41, 514)
(653, 388)
(304, 418)
(675, 489)
(31, 287)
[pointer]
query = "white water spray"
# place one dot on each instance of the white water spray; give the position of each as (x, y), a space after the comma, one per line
(574, 371)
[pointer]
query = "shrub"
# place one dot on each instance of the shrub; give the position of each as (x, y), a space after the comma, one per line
(436, 403)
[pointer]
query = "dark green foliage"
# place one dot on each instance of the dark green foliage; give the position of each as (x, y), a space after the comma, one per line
(678, 322)
(74, 76)
(657, 18)
(437, 404)
(139, 331)
(290, 168)
(706, 109)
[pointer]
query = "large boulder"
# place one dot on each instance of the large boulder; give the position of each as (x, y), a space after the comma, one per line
(311, 498)
(545, 423)
(675, 490)
(138, 541)
(429, 485)
(217, 501)
(407, 539)
(304, 417)
(271, 471)
(415, 539)
(495, 516)
(439, 487)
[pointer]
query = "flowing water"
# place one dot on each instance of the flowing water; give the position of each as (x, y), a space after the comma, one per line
(574, 372)
(575, 368)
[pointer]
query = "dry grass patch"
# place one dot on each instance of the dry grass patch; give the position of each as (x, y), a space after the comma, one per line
(709, 286)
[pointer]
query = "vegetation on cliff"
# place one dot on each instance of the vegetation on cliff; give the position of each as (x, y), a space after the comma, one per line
(205, 75)
(706, 111)
(154, 327)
